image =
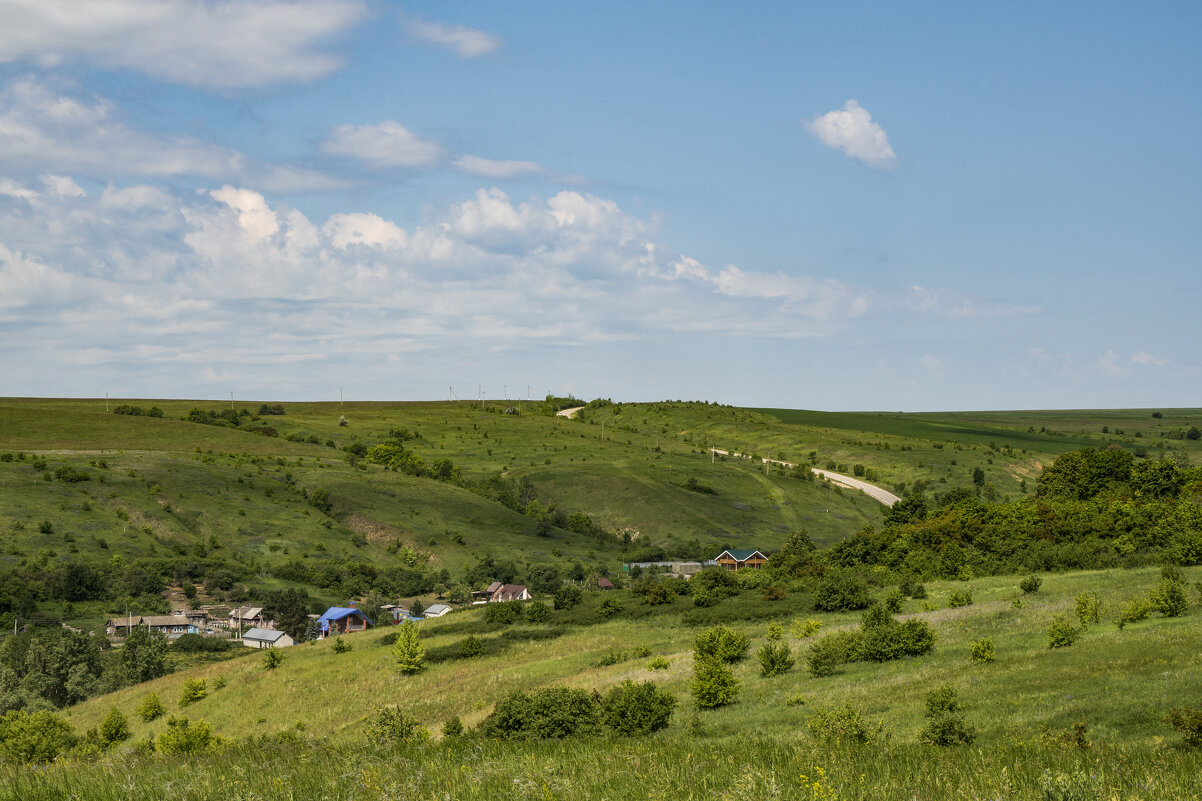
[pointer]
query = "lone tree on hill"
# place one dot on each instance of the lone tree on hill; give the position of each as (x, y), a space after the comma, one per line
(407, 650)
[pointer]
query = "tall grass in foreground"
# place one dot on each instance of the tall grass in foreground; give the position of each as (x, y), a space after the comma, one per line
(665, 767)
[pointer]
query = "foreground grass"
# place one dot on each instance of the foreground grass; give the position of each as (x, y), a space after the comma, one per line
(671, 766)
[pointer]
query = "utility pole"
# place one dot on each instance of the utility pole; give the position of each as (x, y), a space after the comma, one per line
(231, 400)
(106, 402)
(340, 398)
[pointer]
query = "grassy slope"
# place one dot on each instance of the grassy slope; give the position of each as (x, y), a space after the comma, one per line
(1119, 682)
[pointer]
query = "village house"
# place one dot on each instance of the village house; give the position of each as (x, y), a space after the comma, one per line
(397, 612)
(484, 596)
(741, 559)
(173, 626)
(436, 610)
(604, 584)
(342, 620)
(249, 616)
(510, 592)
(266, 638)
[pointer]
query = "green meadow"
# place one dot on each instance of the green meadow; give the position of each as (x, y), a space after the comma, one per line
(298, 719)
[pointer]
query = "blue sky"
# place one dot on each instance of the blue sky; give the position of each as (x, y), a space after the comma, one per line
(814, 205)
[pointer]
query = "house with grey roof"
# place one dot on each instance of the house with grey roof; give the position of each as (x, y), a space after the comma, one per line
(266, 638)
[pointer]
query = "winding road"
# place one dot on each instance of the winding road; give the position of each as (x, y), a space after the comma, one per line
(871, 490)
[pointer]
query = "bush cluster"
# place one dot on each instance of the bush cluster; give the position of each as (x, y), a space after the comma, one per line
(559, 712)
(945, 723)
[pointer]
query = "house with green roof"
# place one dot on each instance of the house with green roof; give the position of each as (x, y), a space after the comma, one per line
(741, 559)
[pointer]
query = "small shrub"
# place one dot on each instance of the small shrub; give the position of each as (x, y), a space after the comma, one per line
(273, 658)
(844, 725)
(536, 612)
(503, 612)
(893, 601)
(391, 726)
(659, 663)
(945, 724)
(472, 647)
(34, 736)
(114, 728)
(568, 596)
(192, 691)
(341, 646)
(803, 629)
(633, 709)
(795, 700)
(1137, 609)
(982, 651)
(1073, 737)
(1088, 607)
(609, 607)
(387, 639)
(773, 593)
(1030, 585)
(721, 643)
(184, 737)
(775, 659)
(714, 683)
(408, 652)
(1062, 633)
(841, 592)
(960, 598)
(453, 727)
(151, 708)
(1188, 721)
(775, 632)
(1169, 598)
(703, 598)
(829, 652)
(549, 713)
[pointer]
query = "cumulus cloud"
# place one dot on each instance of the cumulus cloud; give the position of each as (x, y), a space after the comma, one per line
(231, 281)
(218, 45)
(387, 144)
(489, 168)
(464, 42)
(45, 129)
(851, 130)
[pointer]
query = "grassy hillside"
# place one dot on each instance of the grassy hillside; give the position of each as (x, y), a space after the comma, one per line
(1119, 683)
(202, 498)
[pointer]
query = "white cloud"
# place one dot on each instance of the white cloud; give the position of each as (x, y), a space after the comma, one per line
(13, 189)
(230, 281)
(345, 230)
(489, 168)
(223, 45)
(465, 42)
(1108, 363)
(852, 130)
(1147, 359)
(933, 366)
(388, 144)
(62, 185)
(44, 129)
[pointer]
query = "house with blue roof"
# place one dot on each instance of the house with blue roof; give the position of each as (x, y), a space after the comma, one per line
(342, 620)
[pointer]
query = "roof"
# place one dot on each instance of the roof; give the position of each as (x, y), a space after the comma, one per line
(496, 585)
(742, 554)
(266, 635)
(338, 613)
(247, 612)
(605, 583)
(165, 620)
(437, 609)
(511, 590)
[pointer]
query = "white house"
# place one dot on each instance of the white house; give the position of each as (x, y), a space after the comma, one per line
(436, 610)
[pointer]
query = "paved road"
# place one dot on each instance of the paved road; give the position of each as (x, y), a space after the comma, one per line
(569, 412)
(871, 490)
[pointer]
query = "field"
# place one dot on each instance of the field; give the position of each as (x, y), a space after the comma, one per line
(1024, 705)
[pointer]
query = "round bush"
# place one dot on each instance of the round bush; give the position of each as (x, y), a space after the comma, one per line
(633, 709)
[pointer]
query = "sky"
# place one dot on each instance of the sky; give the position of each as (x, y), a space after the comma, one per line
(844, 206)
